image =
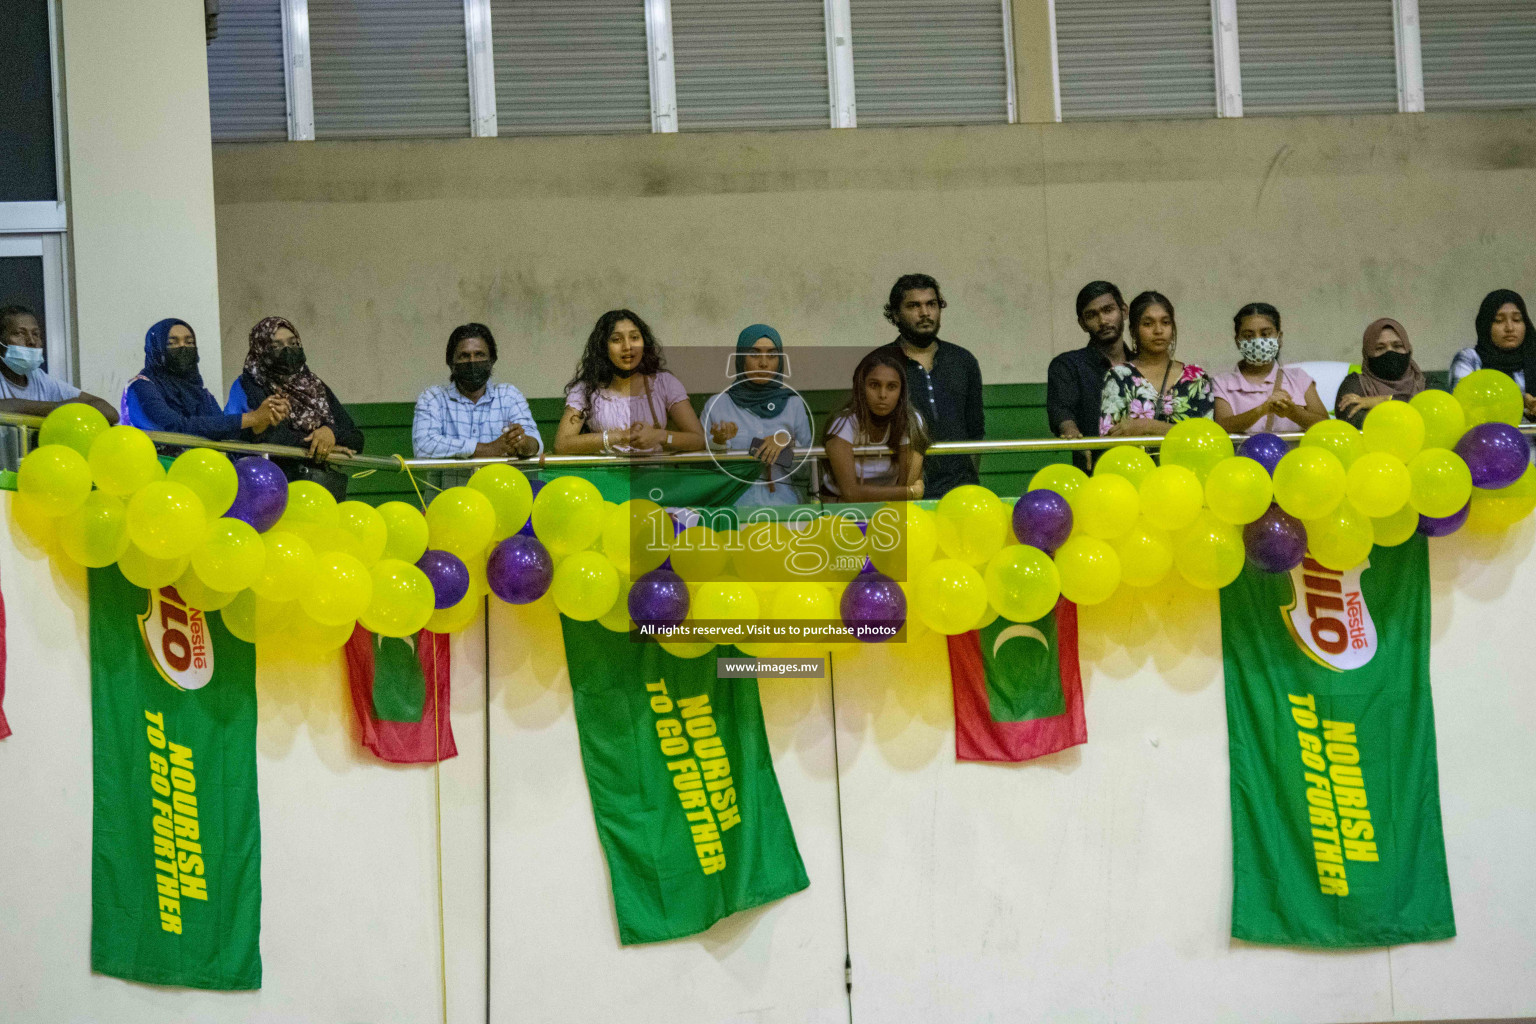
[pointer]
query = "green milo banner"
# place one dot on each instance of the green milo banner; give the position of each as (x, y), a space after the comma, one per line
(687, 804)
(176, 853)
(1336, 836)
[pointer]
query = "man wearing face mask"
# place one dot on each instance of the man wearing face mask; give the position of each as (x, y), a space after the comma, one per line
(25, 387)
(168, 394)
(1074, 382)
(943, 381)
(470, 417)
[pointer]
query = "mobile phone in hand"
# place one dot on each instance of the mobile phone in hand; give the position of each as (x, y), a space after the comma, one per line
(786, 458)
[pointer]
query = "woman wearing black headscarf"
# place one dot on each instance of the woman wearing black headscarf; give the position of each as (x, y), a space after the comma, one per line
(168, 394)
(1502, 344)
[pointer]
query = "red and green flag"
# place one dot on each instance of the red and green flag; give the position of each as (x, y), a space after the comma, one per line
(400, 690)
(1018, 688)
(176, 832)
(1336, 834)
(684, 794)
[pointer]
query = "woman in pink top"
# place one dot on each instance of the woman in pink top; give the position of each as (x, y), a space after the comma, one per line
(622, 400)
(1262, 395)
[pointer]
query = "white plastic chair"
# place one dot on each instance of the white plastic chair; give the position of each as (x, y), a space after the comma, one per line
(1328, 375)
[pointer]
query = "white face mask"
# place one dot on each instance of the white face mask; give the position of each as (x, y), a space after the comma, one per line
(1256, 351)
(23, 359)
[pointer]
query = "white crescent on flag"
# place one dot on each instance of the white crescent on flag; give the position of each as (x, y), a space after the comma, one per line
(1019, 630)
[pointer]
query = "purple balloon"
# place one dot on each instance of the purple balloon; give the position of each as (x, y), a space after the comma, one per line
(1276, 541)
(1042, 519)
(1446, 525)
(1265, 449)
(449, 576)
(263, 493)
(519, 570)
(659, 598)
(870, 601)
(527, 530)
(1496, 453)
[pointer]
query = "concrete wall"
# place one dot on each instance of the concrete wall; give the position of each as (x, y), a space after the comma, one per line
(377, 250)
(139, 182)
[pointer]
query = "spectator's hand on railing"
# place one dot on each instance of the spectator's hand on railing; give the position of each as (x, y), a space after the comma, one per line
(646, 438)
(1351, 404)
(720, 433)
(1069, 432)
(322, 441)
(1530, 405)
(1138, 426)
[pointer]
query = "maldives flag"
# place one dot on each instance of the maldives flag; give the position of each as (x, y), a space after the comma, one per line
(396, 708)
(1018, 689)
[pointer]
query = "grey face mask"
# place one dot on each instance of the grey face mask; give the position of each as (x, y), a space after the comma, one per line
(1257, 351)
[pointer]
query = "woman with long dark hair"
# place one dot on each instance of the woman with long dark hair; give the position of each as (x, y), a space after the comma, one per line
(1153, 391)
(622, 399)
(877, 413)
(1503, 344)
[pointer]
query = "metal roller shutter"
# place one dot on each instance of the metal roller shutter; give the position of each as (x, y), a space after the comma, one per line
(1135, 58)
(566, 67)
(750, 64)
(1478, 53)
(387, 68)
(247, 99)
(1317, 56)
(929, 62)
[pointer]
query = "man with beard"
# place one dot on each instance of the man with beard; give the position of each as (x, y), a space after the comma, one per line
(943, 380)
(1074, 384)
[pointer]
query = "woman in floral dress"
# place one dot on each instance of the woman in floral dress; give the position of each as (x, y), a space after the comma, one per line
(1153, 391)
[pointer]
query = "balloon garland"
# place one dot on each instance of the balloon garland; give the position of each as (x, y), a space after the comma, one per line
(285, 562)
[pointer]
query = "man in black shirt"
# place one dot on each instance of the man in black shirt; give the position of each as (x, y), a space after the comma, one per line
(1074, 383)
(944, 381)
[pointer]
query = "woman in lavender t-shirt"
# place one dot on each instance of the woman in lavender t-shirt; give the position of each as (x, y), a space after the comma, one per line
(622, 399)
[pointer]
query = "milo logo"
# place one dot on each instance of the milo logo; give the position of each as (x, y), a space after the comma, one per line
(177, 640)
(1328, 618)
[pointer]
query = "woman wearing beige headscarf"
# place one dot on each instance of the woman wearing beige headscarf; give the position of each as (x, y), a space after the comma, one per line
(1387, 371)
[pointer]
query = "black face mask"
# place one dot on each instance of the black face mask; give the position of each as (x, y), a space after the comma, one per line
(472, 376)
(181, 361)
(291, 359)
(1389, 365)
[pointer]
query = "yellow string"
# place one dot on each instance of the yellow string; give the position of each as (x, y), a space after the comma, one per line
(414, 483)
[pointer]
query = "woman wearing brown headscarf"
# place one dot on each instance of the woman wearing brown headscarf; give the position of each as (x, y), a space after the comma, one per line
(1387, 371)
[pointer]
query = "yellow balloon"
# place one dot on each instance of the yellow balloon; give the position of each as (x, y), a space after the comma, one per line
(617, 618)
(989, 615)
(699, 554)
(685, 649)
(458, 617)
(510, 493)
(123, 459)
(809, 604)
(762, 552)
(240, 617)
(40, 530)
(1378, 483)
(74, 425)
(405, 532)
(972, 523)
(1022, 583)
(1146, 554)
(568, 514)
(903, 539)
(914, 626)
(402, 601)
(1440, 483)
(1209, 553)
(1061, 477)
(951, 596)
(314, 640)
(461, 520)
(257, 620)
(1342, 539)
(96, 533)
(1390, 531)
(311, 513)
(1338, 437)
(832, 549)
(637, 536)
(1198, 445)
(1238, 490)
(1497, 510)
(1171, 497)
(288, 567)
(232, 557)
(730, 600)
(1125, 460)
(150, 573)
(166, 520)
(1396, 428)
(1089, 569)
(54, 478)
(211, 476)
(585, 586)
(361, 532)
(1309, 482)
(1444, 421)
(340, 590)
(1107, 505)
(1488, 396)
(197, 594)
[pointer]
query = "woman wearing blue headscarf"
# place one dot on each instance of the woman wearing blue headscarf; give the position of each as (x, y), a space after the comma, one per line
(168, 394)
(759, 413)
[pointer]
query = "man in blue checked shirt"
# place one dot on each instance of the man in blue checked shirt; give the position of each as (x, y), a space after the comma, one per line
(471, 417)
